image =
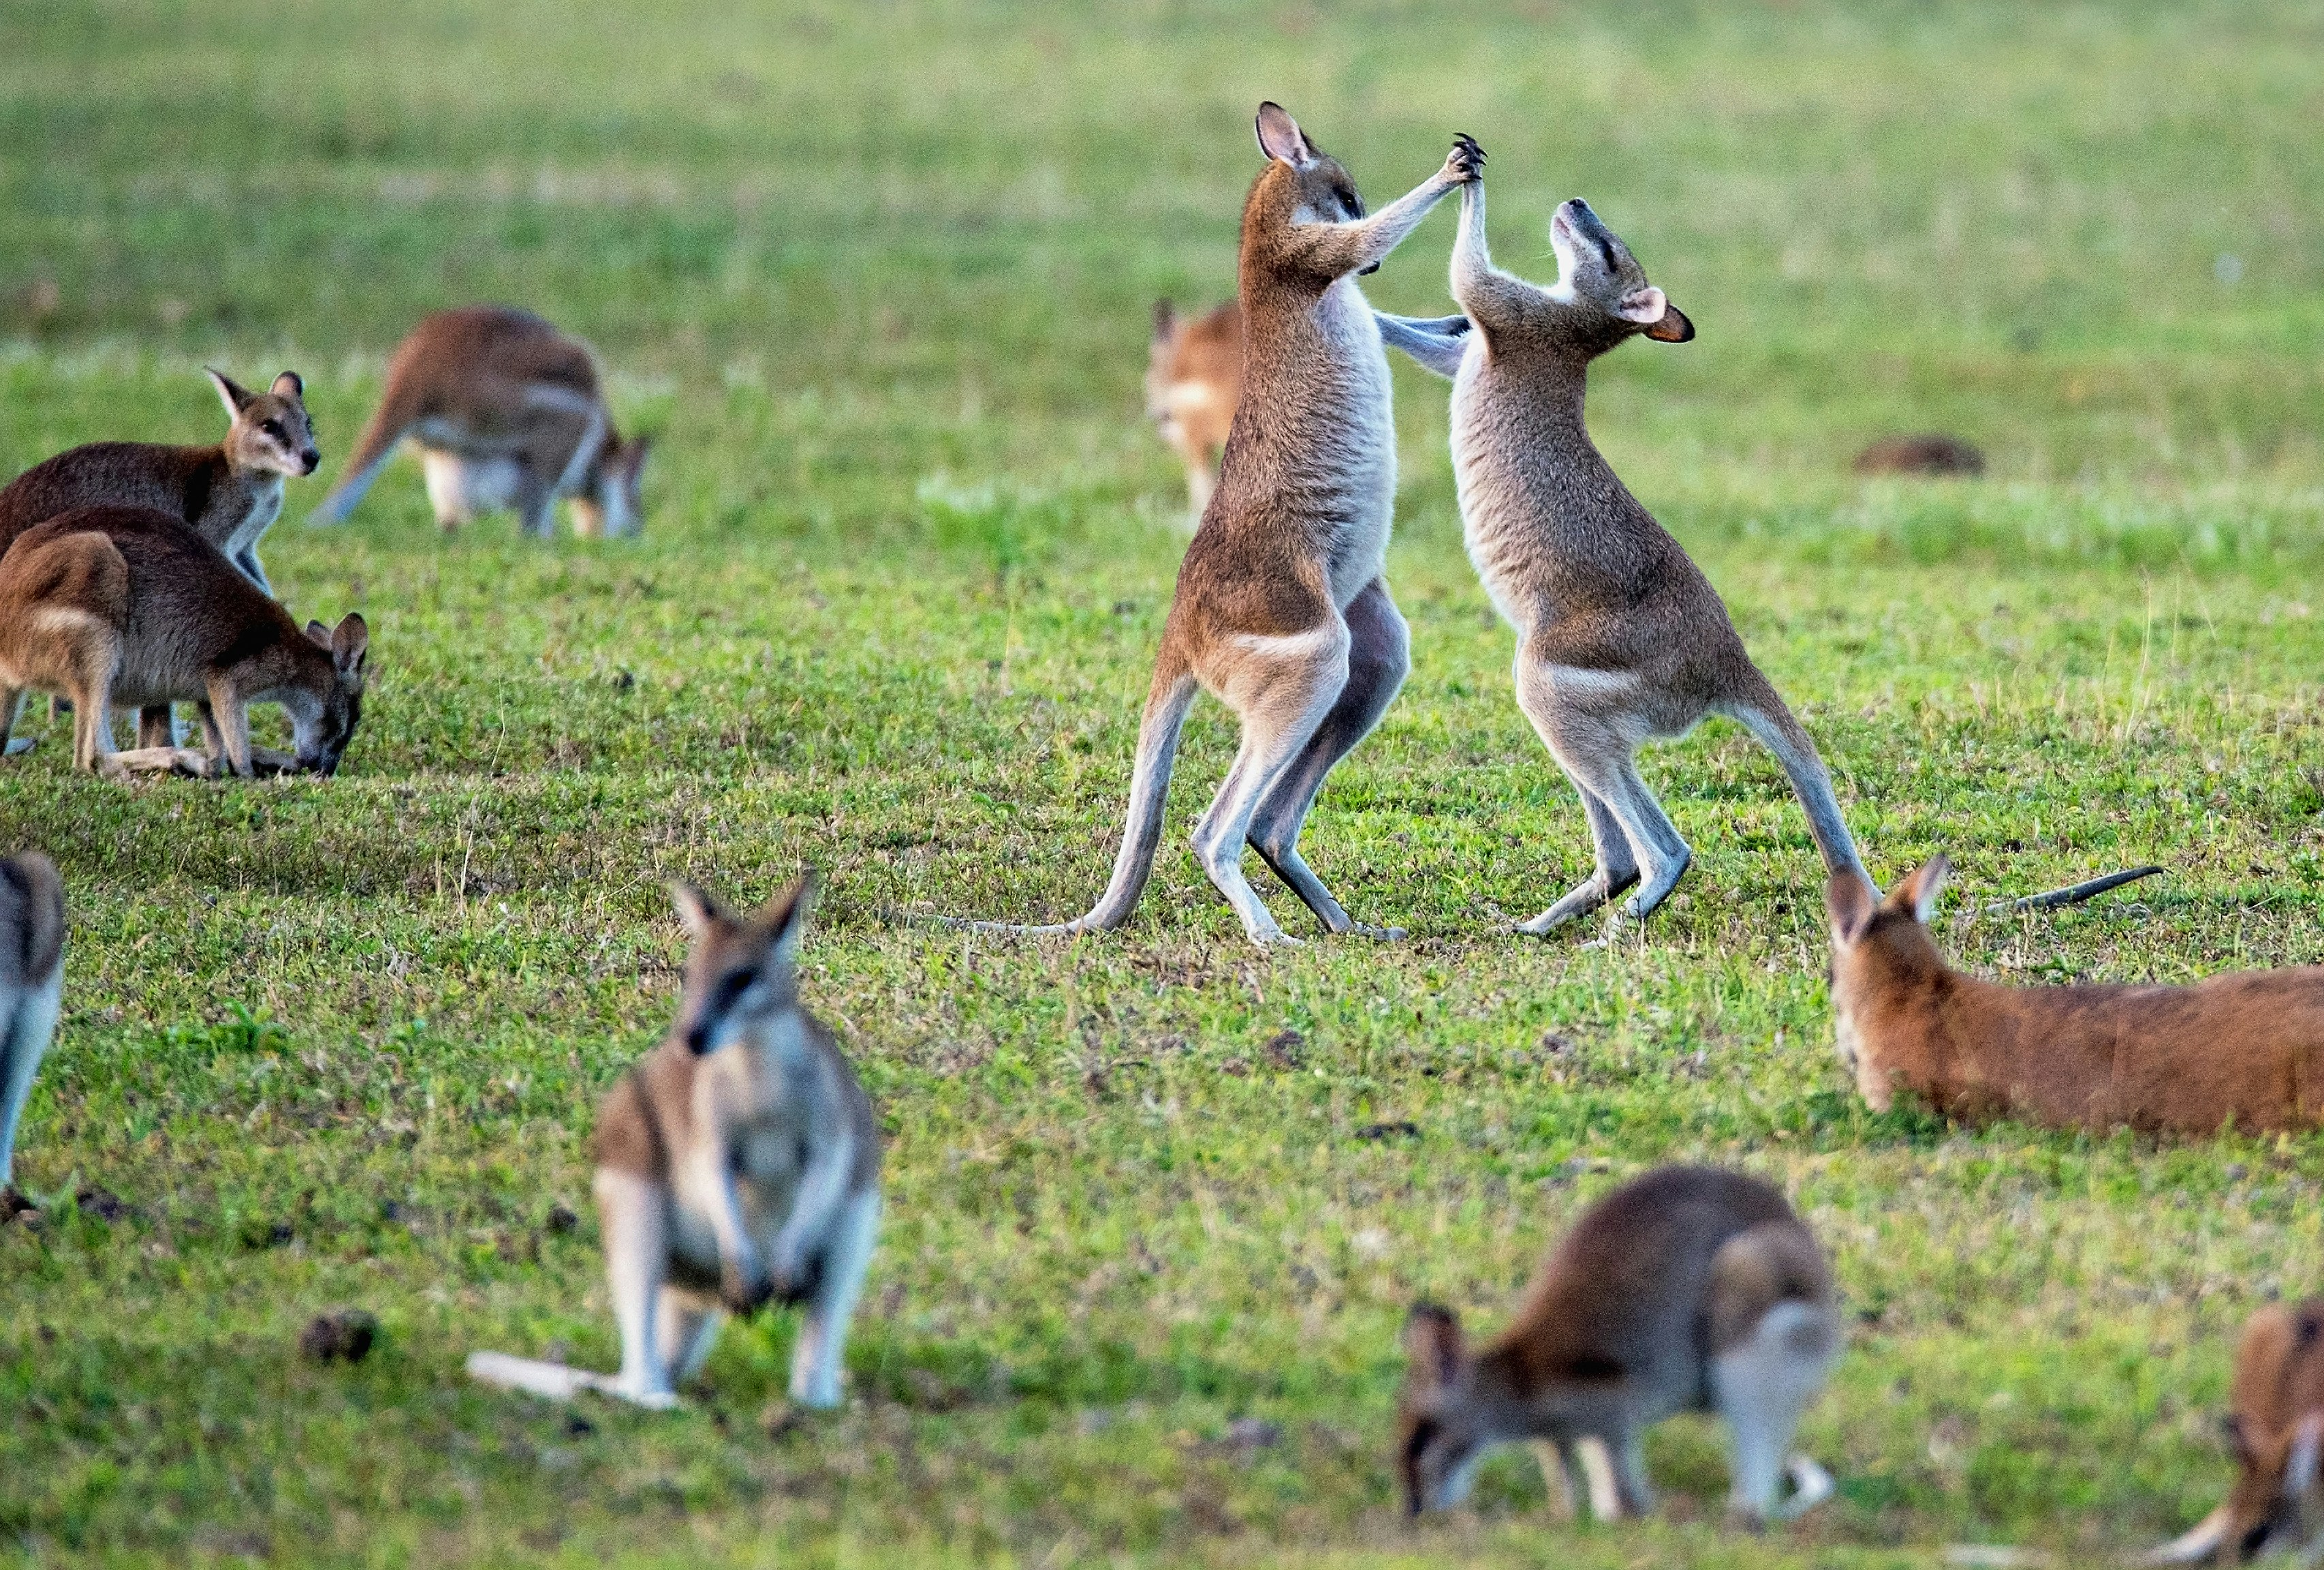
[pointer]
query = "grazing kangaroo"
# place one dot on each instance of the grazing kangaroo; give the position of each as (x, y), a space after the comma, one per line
(2275, 1426)
(506, 412)
(1193, 379)
(1281, 609)
(2247, 1048)
(738, 1163)
(230, 495)
(1689, 1289)
(1620, 638)
(125, 604)
(32, 991)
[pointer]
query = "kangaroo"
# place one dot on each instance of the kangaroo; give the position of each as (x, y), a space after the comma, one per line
(1687, 1289)
(127, 604)
(1620, 638)
(2245, 1049)
(506, 412)
(738, 1163)
(32, 991)
(1281, 609)
(2275, 1426)
(1193, 379)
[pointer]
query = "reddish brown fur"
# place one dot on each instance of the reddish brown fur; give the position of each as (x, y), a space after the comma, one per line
(2276, 1407)
(2245, 1050)
(1193, 382)
(1942, 457)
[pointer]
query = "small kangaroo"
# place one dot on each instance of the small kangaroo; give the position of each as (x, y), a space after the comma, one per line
(738, 1163)
(1688, 1289)
(1620, 638)
(2275, 1426)
(1193, 379)
(31, 991)
(2247, 1048)
(127, 604)
(1281, 609)
(506, 412)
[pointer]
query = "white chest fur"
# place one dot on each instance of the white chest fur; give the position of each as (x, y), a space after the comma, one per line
(1359, 474)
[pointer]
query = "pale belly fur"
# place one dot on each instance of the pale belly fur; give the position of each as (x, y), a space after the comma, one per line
(1364, 469)
(1493, 524)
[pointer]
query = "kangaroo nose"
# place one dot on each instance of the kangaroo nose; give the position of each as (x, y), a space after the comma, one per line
(312, 459)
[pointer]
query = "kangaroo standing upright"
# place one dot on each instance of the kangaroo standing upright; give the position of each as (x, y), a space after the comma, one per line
(1620, 638)
(737, 1164)
(32, 991)
(506, 412)
(1689, 1289)
(1281, 609)
(1193, 379)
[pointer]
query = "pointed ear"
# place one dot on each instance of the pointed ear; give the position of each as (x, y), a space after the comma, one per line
(235, 397)
(1280, 138)
(319, 634)
(1165, 320)
(1672, 327)
(1644, 306)
(1918, 893)
(1850, 901)
(351, 644)
(288, 386)
(698, 907)
(784, 919)
(1434, 1349)
(634, 459)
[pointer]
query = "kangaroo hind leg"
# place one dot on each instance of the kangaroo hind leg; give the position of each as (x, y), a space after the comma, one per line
(819, 1360)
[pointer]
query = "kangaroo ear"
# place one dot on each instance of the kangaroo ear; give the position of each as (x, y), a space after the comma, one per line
(232, 394)
(288, 386)
(1165, 320)
(1644, 306)
(1280, 138)
(1850, 901)
(319, 633)
(351, 644)
(1918, 893)
(1434, 1349)
(784, 919)
(698, 907)
(1672, 328)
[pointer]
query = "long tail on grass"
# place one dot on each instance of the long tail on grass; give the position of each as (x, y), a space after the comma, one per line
(1167, 702)
(372, 448)
(2078, 892)
(552, 1380)
(2200, 1542)
(1766, 717)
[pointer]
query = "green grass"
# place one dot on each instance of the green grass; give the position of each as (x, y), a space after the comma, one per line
(878, 276)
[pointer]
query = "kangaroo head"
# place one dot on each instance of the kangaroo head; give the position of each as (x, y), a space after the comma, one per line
(611, 506)
(1440, 1434)
(323, 717)
(743, 969)
(1881, 950)
(1318, 190)
(2276, 1430)
(1604, 291)
(271, 432)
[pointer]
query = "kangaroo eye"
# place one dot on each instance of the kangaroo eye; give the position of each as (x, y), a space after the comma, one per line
(272, 428)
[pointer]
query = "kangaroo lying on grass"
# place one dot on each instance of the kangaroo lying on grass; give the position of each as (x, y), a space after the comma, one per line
(1690, 1290)
(2245, 1050)
(1193, 379)
(737, 1164)
(32, 991)
(2276, 1426)
(1620, 638)
(127, 605)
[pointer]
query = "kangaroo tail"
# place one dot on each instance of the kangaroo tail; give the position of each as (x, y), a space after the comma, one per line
(1766, 716)
(377, 444)
(552, 1380)
(1167, 702)
(2201, 1541)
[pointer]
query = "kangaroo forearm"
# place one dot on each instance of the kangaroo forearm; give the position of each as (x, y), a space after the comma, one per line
(1491, 297)
(1434, 350)
(1339, 249)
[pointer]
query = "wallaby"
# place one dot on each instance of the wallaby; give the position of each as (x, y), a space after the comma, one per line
(1620, 638)
(32, 991)
(738, 1163)
(1193, 379)
(128, 606)
(2275, 1426)
(2247, 1048)
(230, 495)
(506, 411)
(1281, 609)
(1687, 1289)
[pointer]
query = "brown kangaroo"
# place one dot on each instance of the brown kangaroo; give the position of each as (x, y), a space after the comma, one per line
(2275, 1426)
(128, 606)
(2246, 1049)
(1281, 609)
(1193, 379)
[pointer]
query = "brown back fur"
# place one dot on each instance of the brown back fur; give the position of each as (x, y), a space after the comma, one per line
(1193, 382)
(2244, 1048)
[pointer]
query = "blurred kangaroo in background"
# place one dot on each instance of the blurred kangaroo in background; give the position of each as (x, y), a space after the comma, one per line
(2275, 1428)
(506, 412)
(738, 1164)
(230, 495)
(31, 991)
(1687, 1289)
(1193, 379)
(1620, 638)
(1281, 609)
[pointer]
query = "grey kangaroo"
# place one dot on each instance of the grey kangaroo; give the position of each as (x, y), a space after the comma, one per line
(1620, 638)
(1281, 609)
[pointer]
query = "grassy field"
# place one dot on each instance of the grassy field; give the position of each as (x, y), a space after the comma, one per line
(878, 276)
